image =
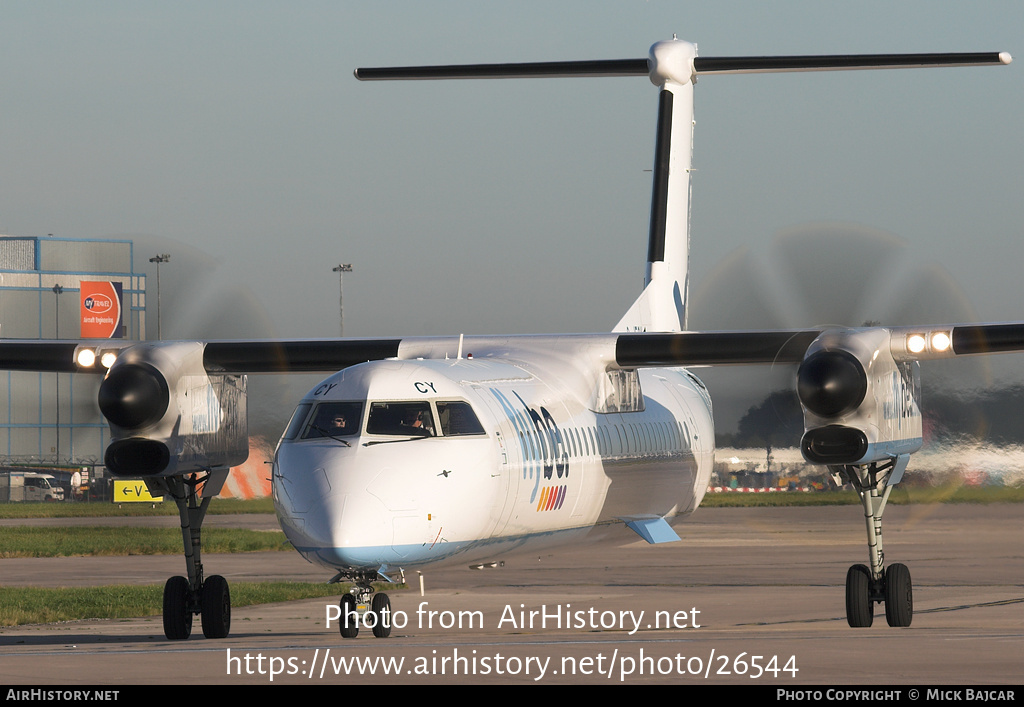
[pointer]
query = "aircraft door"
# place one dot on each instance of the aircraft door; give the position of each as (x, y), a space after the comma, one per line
(506, 480)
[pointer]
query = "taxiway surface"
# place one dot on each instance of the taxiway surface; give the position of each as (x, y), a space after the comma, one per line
(748, 591)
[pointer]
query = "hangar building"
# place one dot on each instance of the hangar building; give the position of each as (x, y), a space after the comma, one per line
(46, 284)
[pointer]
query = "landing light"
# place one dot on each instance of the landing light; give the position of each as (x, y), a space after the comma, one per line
(915, 343)
(86, 358)
(940, 341)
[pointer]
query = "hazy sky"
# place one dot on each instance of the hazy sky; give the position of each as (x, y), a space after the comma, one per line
(237, 130)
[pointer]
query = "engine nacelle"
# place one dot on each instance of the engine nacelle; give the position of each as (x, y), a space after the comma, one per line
(860, 405)
(168, 416)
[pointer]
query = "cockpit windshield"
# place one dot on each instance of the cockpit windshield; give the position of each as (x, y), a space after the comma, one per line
(408, 418)
(334, 419)
(458, 418)
(412, 418)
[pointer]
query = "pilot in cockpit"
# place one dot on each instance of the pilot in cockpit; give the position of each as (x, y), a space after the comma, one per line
(414, 422)
(413, 418)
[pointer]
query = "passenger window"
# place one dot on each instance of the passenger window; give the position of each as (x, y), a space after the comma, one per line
(457, 418)
(411, 418)
(340, 419)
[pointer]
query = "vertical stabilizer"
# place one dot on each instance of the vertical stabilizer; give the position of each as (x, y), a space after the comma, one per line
(662, 304)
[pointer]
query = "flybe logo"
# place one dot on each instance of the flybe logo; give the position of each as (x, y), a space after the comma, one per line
(542, 447)
(551, 498)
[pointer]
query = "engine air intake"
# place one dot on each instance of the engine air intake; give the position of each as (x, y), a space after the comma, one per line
(831, 383)
(133, 396)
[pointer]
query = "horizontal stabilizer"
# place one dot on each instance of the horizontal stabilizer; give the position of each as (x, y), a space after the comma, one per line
(701, 66)
(842, 62)
(528, 70)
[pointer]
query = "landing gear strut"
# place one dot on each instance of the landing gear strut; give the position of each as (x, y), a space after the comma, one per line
(358, 609)
(185, 597)
(871, 584)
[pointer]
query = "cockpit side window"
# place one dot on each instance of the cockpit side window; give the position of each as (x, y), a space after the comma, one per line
(298, 418)
(334, 419)
(401, 418)
(457, 418)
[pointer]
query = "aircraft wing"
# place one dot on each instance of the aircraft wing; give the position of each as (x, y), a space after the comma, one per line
(256, 356)
(754, 347)
(630, 350)
(859, 388)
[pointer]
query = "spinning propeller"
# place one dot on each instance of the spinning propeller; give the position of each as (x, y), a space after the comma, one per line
(818, 275)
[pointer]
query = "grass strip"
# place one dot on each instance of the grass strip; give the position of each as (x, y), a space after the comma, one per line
(218, 506)
(21, 541)
(946, 493)
(37, 605)
(900, 496)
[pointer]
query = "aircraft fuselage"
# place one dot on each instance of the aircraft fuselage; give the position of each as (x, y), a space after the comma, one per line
(465, 459)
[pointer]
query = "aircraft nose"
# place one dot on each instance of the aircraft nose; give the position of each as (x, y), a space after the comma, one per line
(365, 506)
(326, 511)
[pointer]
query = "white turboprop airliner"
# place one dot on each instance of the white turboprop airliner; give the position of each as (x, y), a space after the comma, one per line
(430, 450)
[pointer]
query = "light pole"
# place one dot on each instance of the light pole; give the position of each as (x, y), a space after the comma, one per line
(341, 269)
(57, 290)
(161, 258)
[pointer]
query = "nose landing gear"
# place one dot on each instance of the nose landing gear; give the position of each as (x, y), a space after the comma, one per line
(868, 585)
(359, 610)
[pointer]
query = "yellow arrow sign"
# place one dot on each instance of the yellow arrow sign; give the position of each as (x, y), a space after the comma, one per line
(133, 491)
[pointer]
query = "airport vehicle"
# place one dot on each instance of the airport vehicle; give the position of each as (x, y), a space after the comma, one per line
(430, 450)
(29, 486)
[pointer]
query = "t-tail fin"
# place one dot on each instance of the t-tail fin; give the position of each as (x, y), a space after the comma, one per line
(662, 304)
(674, 66)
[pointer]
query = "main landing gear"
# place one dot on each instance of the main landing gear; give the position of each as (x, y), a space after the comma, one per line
(358, 609)
(868, 585)
(185, 597)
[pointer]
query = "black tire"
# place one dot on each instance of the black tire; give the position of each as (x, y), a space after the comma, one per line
(859, 607)
(216, 607)
(899, 596)
(177, 616)
(349, 624)
(381, 608)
